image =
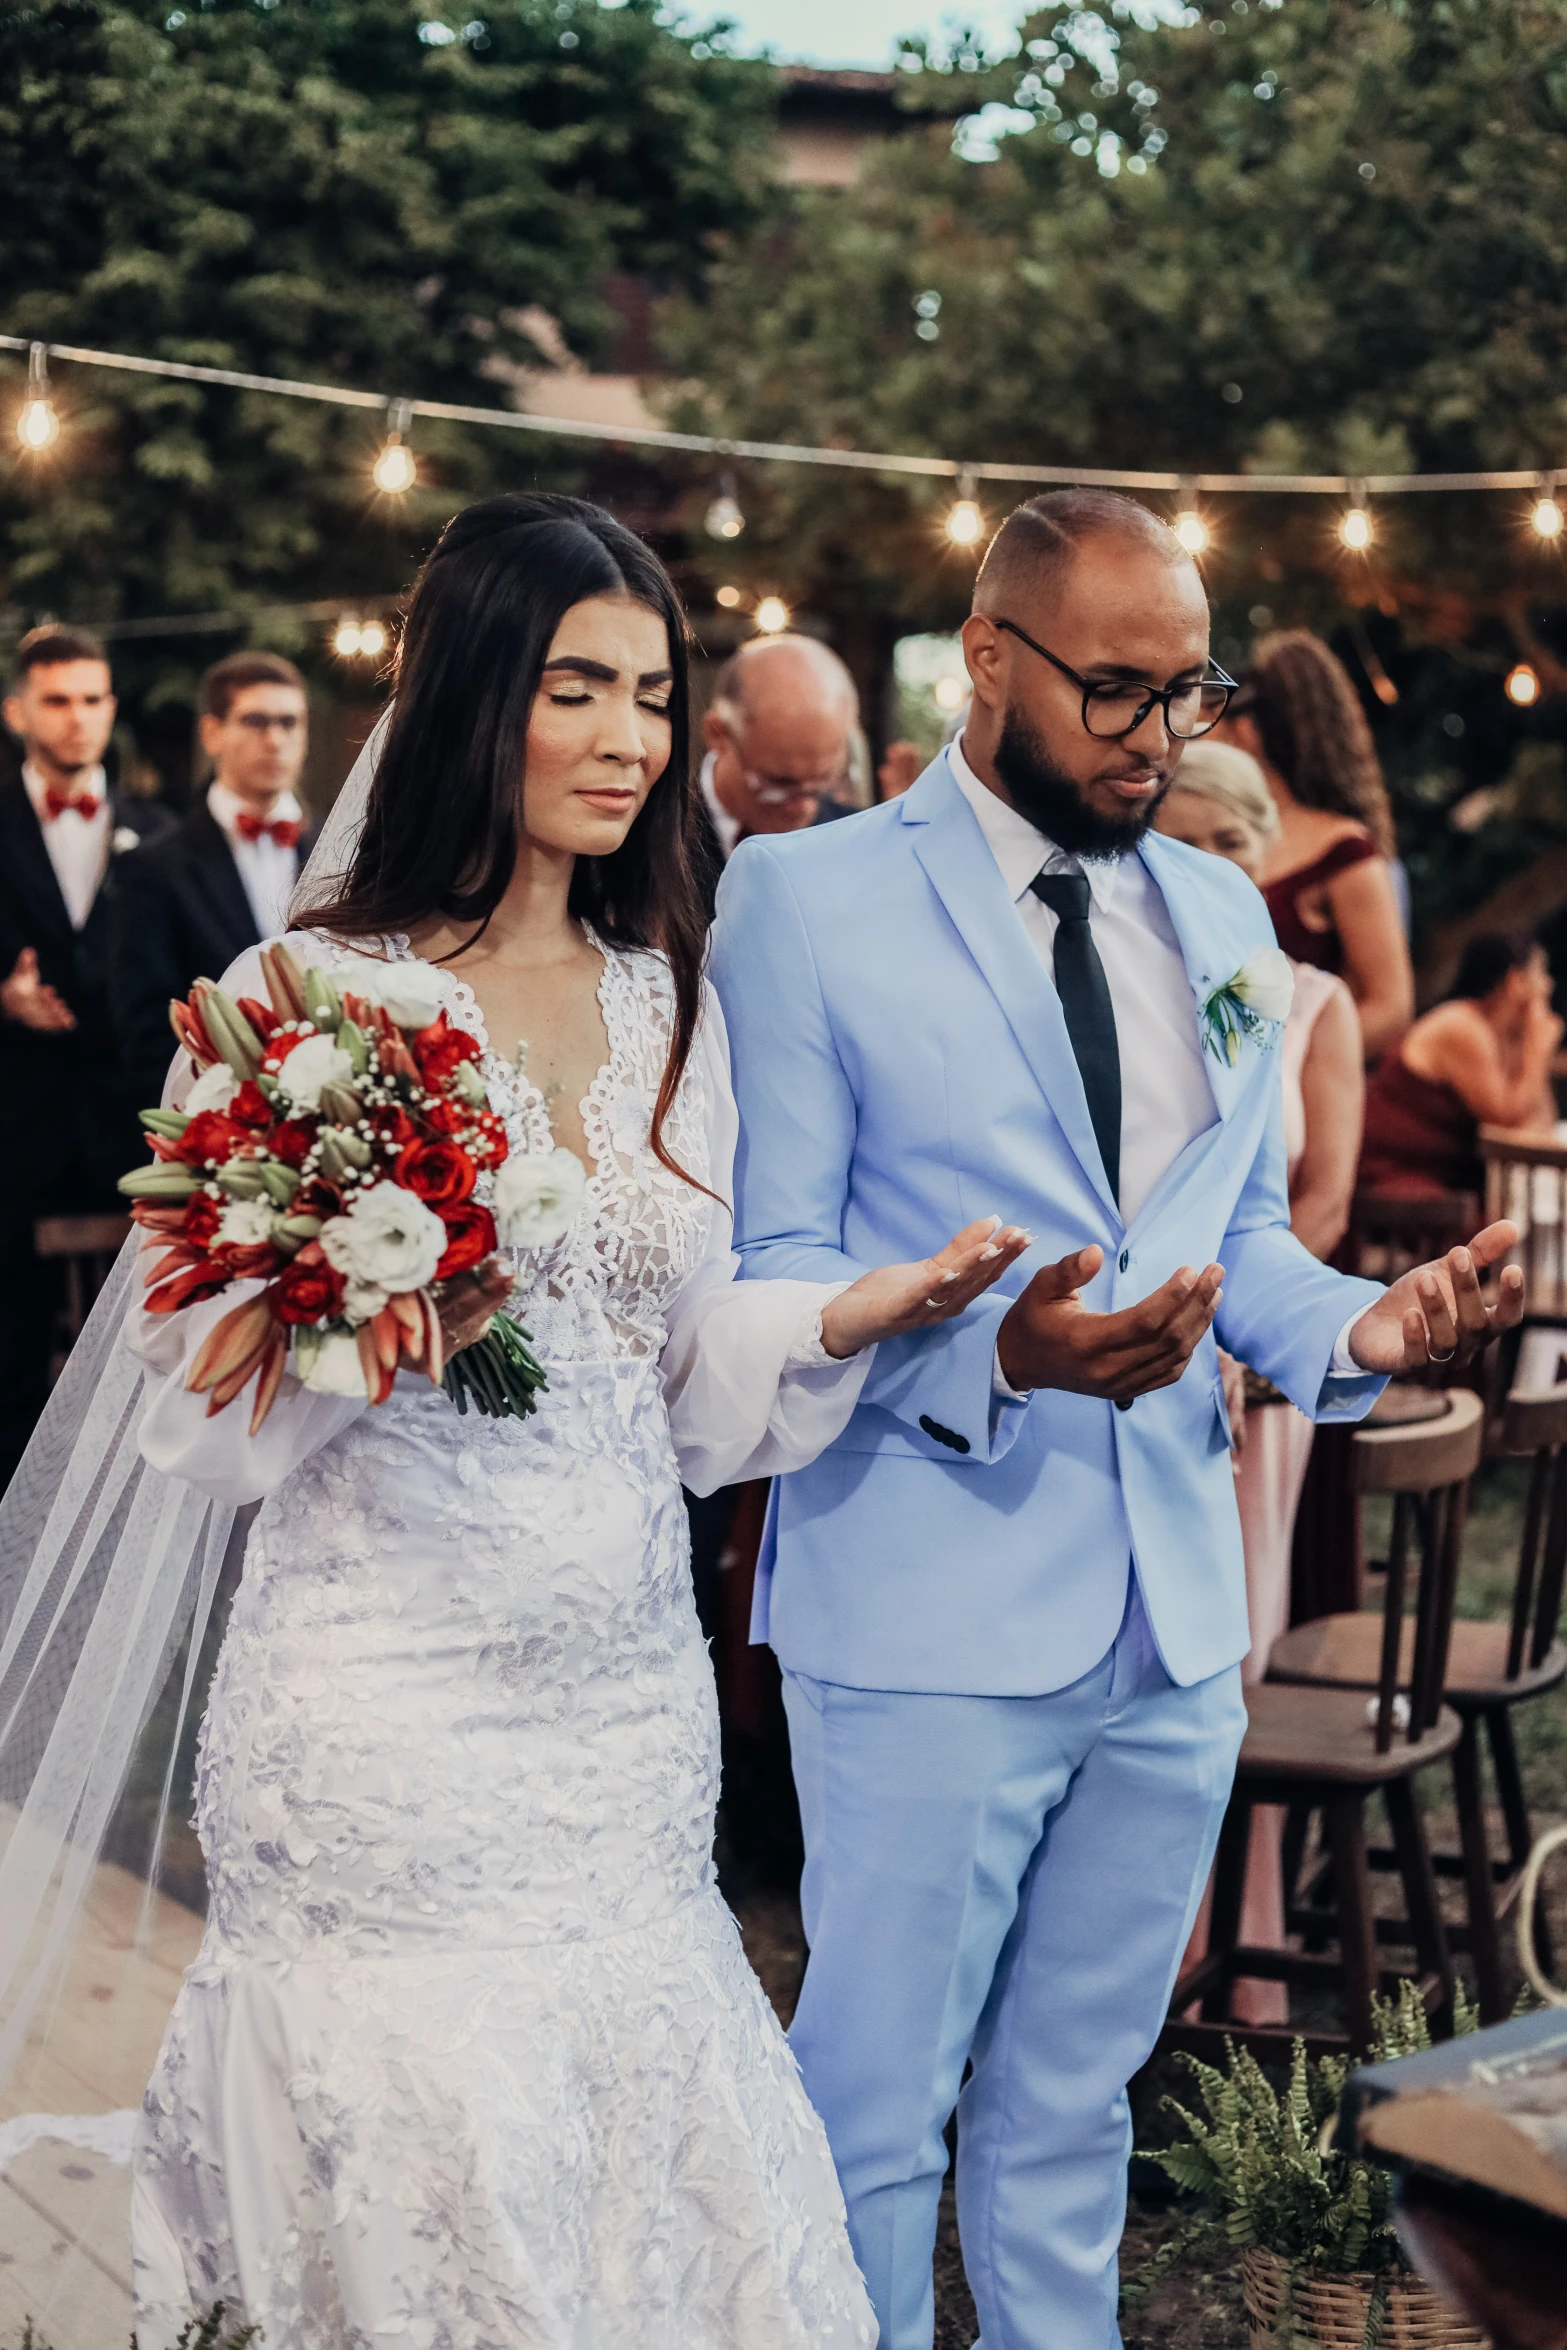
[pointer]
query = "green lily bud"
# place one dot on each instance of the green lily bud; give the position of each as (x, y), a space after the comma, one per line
(340, 1102)
(231, 1032)
(279, 1182)
(243, 1180)
(323, 1004)
(162, 1182)
(294, 1231)
(168, 1124)
(351, 1040)
(471, 1086)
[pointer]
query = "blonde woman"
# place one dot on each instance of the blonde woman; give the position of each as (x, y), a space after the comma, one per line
(1221, 802)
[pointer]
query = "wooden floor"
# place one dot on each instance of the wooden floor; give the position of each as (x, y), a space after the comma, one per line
(65, 2211)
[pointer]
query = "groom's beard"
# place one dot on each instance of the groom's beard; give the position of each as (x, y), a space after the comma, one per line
(1054, 804)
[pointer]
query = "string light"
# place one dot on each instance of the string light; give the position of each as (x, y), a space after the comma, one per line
(1192, 531)
(728, 597)
(1545, 516)
(723, 519)
(1523, 685)
(359, 640)
(37, 426)
(772, 615)
(949, 694)
(372, 640)
(395, 470)
(1354, 527)
(964, 522)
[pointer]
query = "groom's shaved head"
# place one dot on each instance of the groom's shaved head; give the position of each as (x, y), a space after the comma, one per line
(1035, 548)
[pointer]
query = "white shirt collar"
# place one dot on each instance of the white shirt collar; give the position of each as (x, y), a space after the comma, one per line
(1020, 848)
(227, 807)
(95, 781)
(726, 826)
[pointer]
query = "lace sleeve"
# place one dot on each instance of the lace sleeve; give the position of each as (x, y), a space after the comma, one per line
(748, 1393)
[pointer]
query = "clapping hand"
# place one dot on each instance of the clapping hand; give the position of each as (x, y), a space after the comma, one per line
(911, 1297)
(31, 1002)
(1436, 1314)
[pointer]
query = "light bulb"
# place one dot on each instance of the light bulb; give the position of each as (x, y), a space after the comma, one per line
(727, 596)
(965, 524)
(372, 639)
(1523, 685)
(772, 615)
(949, 693)
(347, 639)
(37, 426)
(1354, 529)
(1192, 531)
(723, 519)
(1546, 517)
(394, 470)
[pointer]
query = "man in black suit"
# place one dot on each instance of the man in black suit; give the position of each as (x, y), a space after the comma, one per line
(69, 1114)
(777, 733)
(222, 880)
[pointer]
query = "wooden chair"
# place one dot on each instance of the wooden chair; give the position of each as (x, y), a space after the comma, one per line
(1388, 1235)
(1490, 1669)
(1328, 1750)
(87, 1246)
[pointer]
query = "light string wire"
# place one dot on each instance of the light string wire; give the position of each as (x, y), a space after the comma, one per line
(800, 453)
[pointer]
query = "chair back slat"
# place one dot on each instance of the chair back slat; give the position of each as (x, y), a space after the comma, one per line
(1526, 1181)
(1543, 1479)
(1549, 1605)
(1426, 1467)
(1537, 1425)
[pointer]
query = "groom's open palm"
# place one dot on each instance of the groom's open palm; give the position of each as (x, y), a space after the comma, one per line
(1437, 1313)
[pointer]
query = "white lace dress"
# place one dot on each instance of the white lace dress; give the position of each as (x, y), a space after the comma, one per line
(471, 2058)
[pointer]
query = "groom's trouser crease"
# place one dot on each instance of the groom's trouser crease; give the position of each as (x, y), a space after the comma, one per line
(1011, 1880)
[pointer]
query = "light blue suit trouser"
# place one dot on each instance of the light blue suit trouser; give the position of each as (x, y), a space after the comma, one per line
(1011, 1881)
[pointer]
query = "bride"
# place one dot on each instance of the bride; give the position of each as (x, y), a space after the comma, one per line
(471, 2055)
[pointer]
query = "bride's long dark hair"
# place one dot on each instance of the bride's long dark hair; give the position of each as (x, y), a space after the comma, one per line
(442, 823)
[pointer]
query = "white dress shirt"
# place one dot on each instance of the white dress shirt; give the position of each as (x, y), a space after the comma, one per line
(267, 871)
(78, 845)
(726, 826)
(1166, 1100)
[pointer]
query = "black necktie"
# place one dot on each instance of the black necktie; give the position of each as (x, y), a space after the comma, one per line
(1090, 1015)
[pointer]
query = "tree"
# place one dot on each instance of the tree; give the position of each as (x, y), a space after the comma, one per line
(351, 191)
(1294, 235)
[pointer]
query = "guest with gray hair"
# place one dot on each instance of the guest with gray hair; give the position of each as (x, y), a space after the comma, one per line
(779, 735)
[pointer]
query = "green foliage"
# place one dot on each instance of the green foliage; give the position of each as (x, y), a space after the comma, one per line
(1327, 235)
(205, 2333)
(319, 188)
(1255, 2161)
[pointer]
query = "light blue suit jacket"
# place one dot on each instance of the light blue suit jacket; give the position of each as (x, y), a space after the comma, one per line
(902, 1066)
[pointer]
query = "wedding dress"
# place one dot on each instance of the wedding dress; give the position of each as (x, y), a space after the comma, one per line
(471, 2057)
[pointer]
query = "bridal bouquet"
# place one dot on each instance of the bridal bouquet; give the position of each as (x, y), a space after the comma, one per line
(332, 1146)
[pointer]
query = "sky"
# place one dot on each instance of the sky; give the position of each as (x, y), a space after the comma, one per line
(848, 32)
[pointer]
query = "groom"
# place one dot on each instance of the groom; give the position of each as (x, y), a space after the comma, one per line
(1009, 1601)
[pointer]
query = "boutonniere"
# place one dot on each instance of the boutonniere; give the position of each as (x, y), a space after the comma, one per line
(1254, 1002)
(122, 839)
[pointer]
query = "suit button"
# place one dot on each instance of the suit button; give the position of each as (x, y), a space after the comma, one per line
(1125, 1259)
(1123, 1403)
(939, 1435)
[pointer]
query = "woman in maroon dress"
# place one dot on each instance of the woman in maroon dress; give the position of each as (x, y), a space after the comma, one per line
(1326, 879)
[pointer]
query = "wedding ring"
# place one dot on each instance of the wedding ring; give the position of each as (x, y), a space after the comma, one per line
(1450, 1355)
(935, 1304)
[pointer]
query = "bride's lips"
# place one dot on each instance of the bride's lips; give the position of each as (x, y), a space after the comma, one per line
(614, 803)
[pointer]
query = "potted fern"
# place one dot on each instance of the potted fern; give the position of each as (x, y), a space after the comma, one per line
(1321, 2264)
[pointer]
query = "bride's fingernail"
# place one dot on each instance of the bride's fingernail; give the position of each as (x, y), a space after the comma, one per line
(988, 1251)
(994, 1222)
(946, 1278)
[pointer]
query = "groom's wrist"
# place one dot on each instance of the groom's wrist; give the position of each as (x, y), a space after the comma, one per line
(1344, 1363)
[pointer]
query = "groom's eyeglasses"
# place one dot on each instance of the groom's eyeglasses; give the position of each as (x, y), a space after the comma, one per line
(1118, 706)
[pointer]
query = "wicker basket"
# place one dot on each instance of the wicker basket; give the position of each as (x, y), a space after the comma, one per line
(1330, 2311)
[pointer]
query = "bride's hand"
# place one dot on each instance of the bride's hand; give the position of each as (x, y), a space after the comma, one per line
(911, 1297)
(469, 1301)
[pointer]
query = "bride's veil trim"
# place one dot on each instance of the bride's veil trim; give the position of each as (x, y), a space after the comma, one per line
(106, 1568)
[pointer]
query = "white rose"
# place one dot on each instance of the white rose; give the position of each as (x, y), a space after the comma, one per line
(329, 1362)
(318, 1061)
(362, 1301)
(388, 1238)
(536, 1200)
(412, 993)
(245, 1223)
(214, 1089)
(1265, 984)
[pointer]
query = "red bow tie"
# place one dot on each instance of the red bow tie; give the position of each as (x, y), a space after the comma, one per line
(283, 829)
(56, 802)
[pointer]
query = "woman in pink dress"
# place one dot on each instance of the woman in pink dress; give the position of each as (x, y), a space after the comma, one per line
(1220, 802)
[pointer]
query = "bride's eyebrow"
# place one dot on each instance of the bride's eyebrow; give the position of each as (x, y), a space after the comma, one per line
(580, 666)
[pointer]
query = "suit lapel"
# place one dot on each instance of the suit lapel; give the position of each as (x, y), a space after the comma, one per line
(1211, 957)
(947, 840)
(31, 869)
(221, 893)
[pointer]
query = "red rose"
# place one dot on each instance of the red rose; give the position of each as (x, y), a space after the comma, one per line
(441, 1048)
(394, 1126)
(485, 1139)
(309, 1289)
(470, 1237)
(250, 1105)
(291, 1141)
(439, 1173)
(317, 1198)
(444, 1117)
(202, 1218)
(253, 1262)
(211, 1135)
